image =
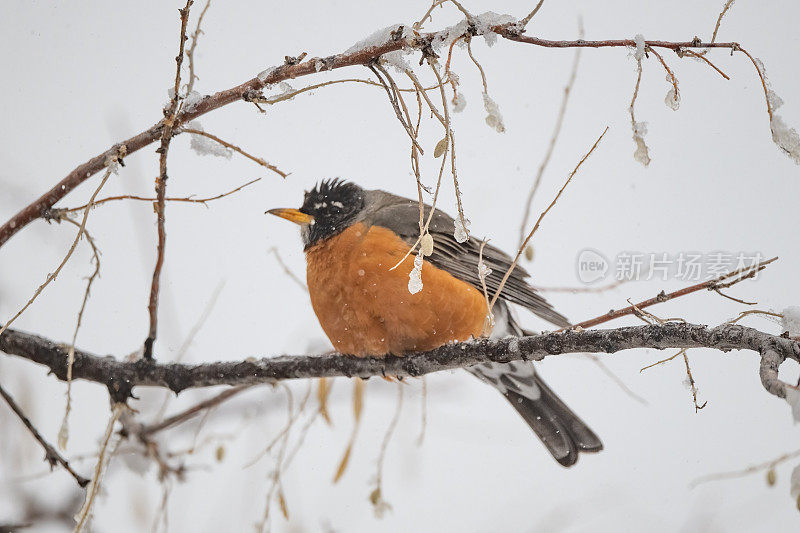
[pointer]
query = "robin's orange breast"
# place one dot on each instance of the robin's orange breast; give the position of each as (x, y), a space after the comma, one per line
(365, 308)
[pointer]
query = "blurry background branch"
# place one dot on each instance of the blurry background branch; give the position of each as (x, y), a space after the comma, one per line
(121, 377)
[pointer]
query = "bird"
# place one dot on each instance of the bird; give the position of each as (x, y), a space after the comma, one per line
(354, 237)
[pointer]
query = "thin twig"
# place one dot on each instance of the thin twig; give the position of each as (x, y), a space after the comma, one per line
(51, 455)
(237, 149)
(393, 100)
(84, 514)
(541, 217)
(251, 88)
(704, 58)
(63, 433)
(380, 506)
(743, 273)
(191, 412)
(54, 274)
(556, 131)
(190, 52)
(186, 199)
(725, 9)
(749, 470)
(274, 250)
(170, 117)
(691, 383)
(524, 22)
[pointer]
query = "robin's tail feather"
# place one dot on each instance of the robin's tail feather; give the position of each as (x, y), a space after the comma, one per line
(562, 432)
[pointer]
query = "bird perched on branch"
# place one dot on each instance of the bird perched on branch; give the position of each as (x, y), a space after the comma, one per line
(357, 244)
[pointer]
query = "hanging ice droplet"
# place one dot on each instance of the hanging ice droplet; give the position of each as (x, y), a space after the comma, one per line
(415, 277)
(461, 233)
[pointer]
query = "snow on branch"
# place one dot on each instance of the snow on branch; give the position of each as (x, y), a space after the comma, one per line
(398, 40)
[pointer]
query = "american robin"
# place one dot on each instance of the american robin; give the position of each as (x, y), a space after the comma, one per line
(353, 237)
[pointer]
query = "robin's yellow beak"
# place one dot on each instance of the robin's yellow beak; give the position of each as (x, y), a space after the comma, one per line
(292, 215)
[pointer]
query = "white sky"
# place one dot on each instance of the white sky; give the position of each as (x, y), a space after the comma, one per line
(83, 75)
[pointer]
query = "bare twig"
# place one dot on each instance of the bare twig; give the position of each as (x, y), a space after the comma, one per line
(358, 407)
(556, 131)
(710, 64)
(190, 51)
(725, 9)
(524, 22)
(379, 505)
(63, 433)
(186, 199)
(691, 383)
(54, 274)
(169, 124)
(375, 67)
(190, 412)
(541, 217)
(742, 273)
(768, 465)
(274, 250)
(236, 149)
(51, 455)
(82, 519)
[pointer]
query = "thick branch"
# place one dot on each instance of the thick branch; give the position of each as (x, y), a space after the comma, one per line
(121, 377)
(251, 89)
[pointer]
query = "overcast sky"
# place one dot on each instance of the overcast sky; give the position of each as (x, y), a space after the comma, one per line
(80, 76)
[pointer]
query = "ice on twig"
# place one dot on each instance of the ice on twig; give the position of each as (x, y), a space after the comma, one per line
(415, 277)
(265, 74)
(793, 399)
(461, 233)
(794, 482)
(382, 36)
(493, 117)
(783, 135)
(190, 101)
(485, 21)
(459, 103)
(426, 244)
(638, 54)
(642, 154)
(791, 320)
(673, 98)
(483, 271)
(205, 146)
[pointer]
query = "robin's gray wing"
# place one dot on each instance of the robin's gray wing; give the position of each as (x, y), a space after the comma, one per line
(401, 215)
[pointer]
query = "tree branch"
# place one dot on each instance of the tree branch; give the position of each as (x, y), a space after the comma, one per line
(251, 89)
(121, 377)
(51, 455)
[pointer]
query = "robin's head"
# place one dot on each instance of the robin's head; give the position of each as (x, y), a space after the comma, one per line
(328, 209)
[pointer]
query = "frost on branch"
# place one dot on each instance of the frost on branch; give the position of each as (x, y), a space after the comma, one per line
(205, 146)
(642, 154)
(791, 321)
(793, 399)
(485, 21)
(638, 54)
(461, 233)
(784, 136)
(459, 102)
(415, 277)
(493, 117)
(673, 98)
